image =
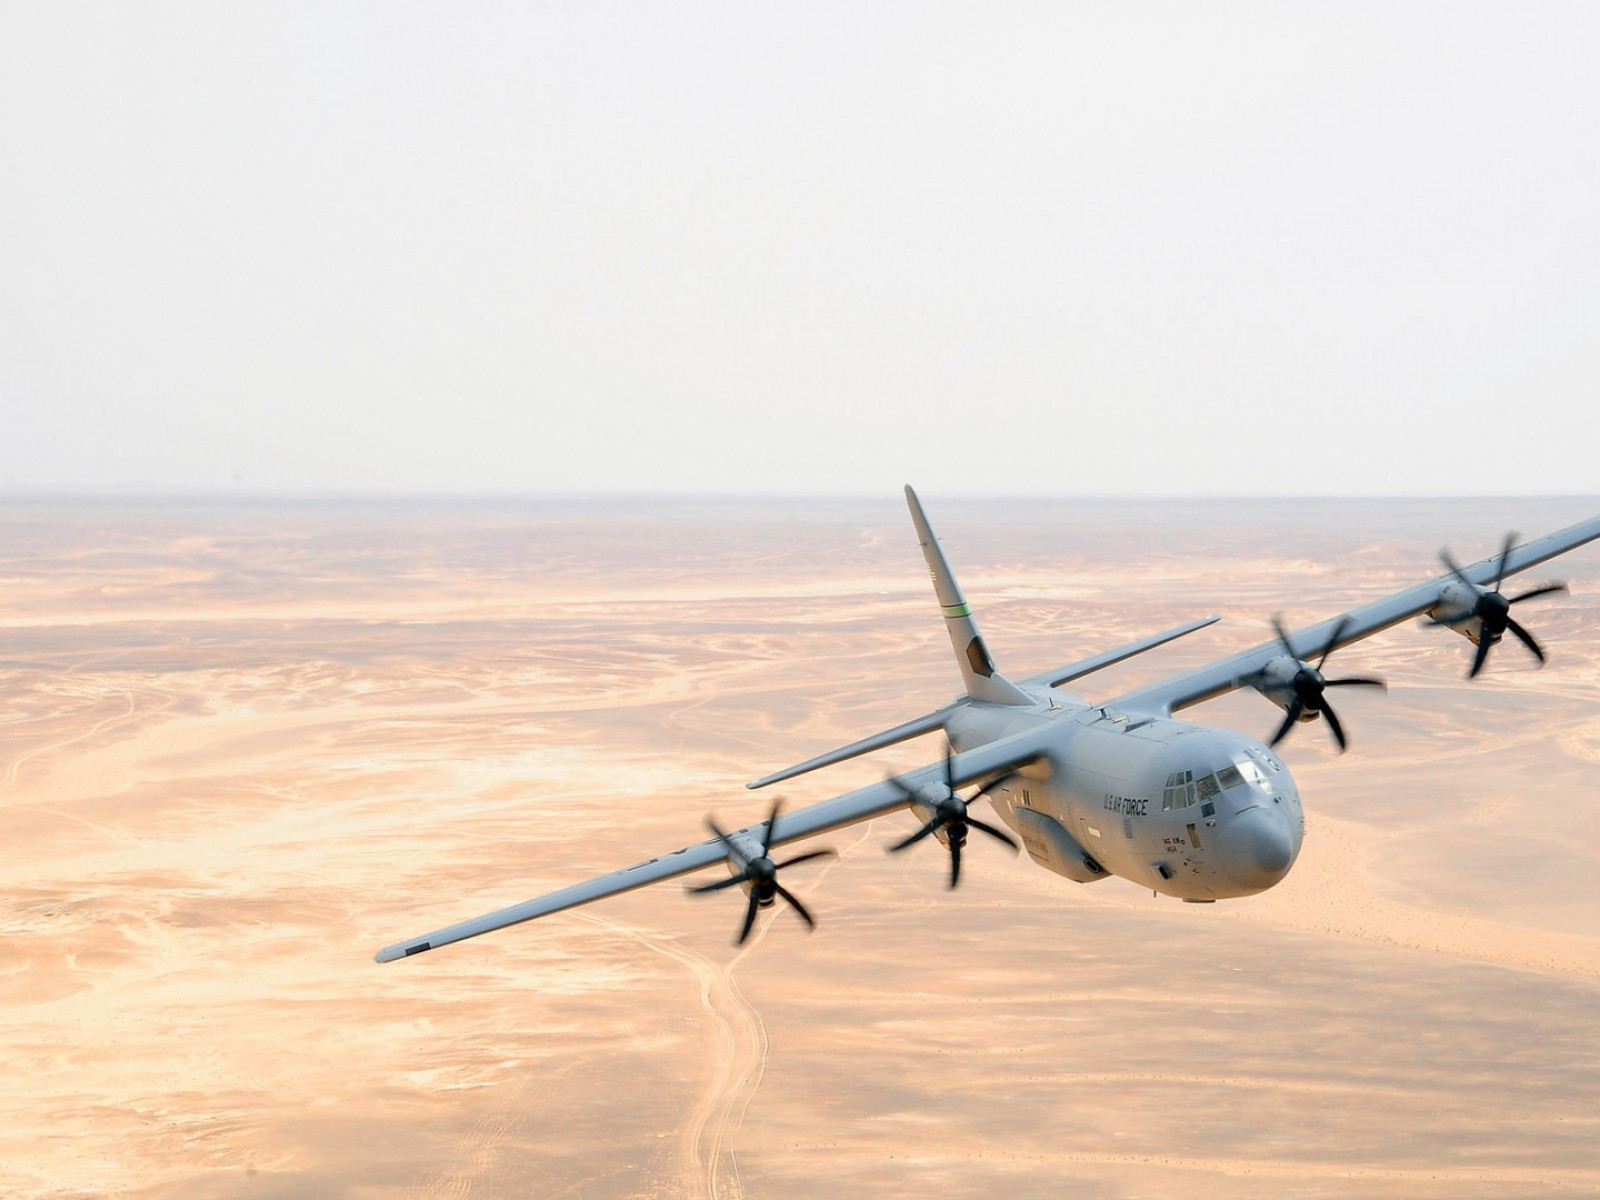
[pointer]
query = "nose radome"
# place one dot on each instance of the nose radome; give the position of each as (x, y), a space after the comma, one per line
(1259, 847)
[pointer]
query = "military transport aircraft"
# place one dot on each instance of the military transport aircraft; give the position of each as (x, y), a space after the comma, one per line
(1092, 789)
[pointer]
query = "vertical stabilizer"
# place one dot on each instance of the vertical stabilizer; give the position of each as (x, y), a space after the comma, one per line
(978, 671)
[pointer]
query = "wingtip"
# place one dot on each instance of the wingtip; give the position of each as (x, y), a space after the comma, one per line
(401, 950)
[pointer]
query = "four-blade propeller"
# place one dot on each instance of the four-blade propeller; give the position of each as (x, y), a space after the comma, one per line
(1309, 685)
(950, 816)
(1493, 611)
(761, 876)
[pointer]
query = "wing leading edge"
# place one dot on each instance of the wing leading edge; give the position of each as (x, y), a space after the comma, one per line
(1215, 679)
(979, 764)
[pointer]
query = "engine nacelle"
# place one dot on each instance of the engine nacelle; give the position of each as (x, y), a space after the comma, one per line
(742, 851)
(1457, 610)
(1053, 848)
(1276, 683)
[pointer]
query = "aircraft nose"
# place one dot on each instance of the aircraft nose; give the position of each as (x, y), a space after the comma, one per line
(1258, 847)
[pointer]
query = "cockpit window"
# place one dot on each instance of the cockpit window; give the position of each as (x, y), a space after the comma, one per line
(1179, 792)
(1183, 789)
(1254, 774)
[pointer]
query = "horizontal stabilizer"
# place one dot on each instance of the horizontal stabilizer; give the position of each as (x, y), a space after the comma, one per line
(1096, 662)
(889, 737)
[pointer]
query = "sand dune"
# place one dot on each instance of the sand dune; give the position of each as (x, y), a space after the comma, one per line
(247, 745)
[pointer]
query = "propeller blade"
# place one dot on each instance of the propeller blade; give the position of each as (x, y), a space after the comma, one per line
(800, 858)
(1526, 638)
(1333, 725)
(721, 837)
(955, 862)
(1482, 655)
(1283, 637)
(1538, 591)
(1358, 681)
(749, 918)
(998, 834)
(729, 882)
(1505, 557)
(895, 782)
(1296, 707)
(772, 826)
(794, 903)
(917, 836)
(1444, 557)
(990, 786)
(1333, 640)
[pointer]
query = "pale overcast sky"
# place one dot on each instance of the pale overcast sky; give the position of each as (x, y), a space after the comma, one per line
(801, 248)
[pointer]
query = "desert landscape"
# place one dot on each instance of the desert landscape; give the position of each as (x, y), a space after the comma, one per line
(246, 743)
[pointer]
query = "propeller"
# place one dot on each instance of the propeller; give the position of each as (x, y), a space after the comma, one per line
(950, 815)
(1493, 610)
(761, 874)
(1309, 685)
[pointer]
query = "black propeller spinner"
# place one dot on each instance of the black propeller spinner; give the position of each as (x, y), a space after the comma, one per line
(761, 874)
(1493, 611)
(1310, 684)
(950, 814)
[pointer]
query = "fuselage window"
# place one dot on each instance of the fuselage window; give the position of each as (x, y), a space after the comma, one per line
(1229, 777)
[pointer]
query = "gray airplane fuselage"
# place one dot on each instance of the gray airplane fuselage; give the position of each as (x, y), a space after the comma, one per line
(1187, 810)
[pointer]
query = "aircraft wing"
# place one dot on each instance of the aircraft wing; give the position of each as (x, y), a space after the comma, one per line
(1205, 683)
(982, 763)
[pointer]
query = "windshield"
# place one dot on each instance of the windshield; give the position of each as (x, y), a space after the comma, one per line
(1184, 790)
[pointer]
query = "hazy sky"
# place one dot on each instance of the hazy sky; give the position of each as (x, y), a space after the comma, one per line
(590, 247)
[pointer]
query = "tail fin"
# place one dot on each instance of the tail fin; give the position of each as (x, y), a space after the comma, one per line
(972, 656)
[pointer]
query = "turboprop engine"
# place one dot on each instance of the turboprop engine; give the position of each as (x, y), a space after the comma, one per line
(1482, 615)
(1299, 687)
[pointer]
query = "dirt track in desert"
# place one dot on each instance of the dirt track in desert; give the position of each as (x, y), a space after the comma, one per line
(245, 745)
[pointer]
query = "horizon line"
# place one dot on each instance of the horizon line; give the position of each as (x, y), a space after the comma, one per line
(894, 494)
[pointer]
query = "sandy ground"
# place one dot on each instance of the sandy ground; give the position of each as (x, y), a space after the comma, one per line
(246, 745)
